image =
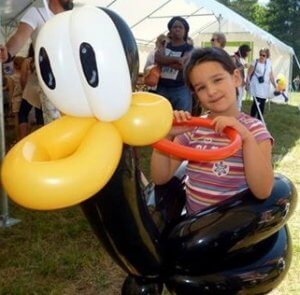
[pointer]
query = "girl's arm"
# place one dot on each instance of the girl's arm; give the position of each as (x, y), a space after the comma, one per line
(257, 157)
(164, 166)
(258, 166)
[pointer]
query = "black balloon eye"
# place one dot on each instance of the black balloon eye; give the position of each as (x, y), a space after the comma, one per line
(45, 67)
(88, 63)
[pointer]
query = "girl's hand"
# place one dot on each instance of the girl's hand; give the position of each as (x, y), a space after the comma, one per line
(179, 117)
(222, 122)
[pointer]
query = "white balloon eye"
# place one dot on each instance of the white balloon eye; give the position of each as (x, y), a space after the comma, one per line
(101, 61)
(89, 64)
(57, 71)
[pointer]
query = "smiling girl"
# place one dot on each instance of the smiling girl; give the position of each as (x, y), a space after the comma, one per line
(213, 78)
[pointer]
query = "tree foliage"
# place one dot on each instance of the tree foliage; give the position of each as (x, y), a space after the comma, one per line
(281, 18)
(283, 21)
(246, 8)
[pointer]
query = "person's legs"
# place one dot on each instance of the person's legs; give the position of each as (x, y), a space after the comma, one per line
(39, 116)
(179, 97)
(23, 118)
(164, 91)
(253, 111)
(167, 93)
(262, 103)
(183, 99)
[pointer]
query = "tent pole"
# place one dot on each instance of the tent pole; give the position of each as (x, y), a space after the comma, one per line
(258, 109)
(297, 61)
(219, 18)
(5, 220)
(290, 81)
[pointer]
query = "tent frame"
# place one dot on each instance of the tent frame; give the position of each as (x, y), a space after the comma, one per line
(5, 219)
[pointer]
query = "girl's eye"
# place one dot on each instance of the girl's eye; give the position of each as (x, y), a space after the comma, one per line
(218, 80)
(198, 89)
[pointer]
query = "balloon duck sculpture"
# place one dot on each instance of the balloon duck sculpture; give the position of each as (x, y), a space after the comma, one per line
(240, 246)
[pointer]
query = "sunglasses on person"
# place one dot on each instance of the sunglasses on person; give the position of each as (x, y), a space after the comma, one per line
(213, 39)
(263, 55)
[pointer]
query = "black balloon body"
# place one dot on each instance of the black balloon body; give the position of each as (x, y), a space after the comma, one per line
(129, 45)
(240, 246)
(142, 286)
(120, 218)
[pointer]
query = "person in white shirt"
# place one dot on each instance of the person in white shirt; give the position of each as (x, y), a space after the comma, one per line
(260, 75)
(28, 28)
(160, 43)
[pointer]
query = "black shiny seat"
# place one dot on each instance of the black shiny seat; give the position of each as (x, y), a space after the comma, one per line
(240, 246)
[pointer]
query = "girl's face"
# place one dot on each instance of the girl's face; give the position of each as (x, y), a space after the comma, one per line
(215, 87)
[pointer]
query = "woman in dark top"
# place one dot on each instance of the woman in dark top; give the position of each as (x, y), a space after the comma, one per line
(172, 59)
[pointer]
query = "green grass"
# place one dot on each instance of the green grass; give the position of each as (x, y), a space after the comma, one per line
(57, 253)
(54, 253)
(289, 164)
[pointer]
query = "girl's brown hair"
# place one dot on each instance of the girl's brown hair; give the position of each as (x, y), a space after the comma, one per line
(201, 55)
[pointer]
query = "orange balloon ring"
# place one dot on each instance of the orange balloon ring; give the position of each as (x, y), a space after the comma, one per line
(168, 147)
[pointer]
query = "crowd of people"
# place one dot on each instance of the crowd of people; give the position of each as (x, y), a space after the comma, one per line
(172, 52)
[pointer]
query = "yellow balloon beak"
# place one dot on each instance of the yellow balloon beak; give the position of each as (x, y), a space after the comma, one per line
(62, 164)
(148, 120)
(71, 159)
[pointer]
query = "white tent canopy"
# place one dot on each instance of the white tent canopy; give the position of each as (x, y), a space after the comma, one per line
(148, 19)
